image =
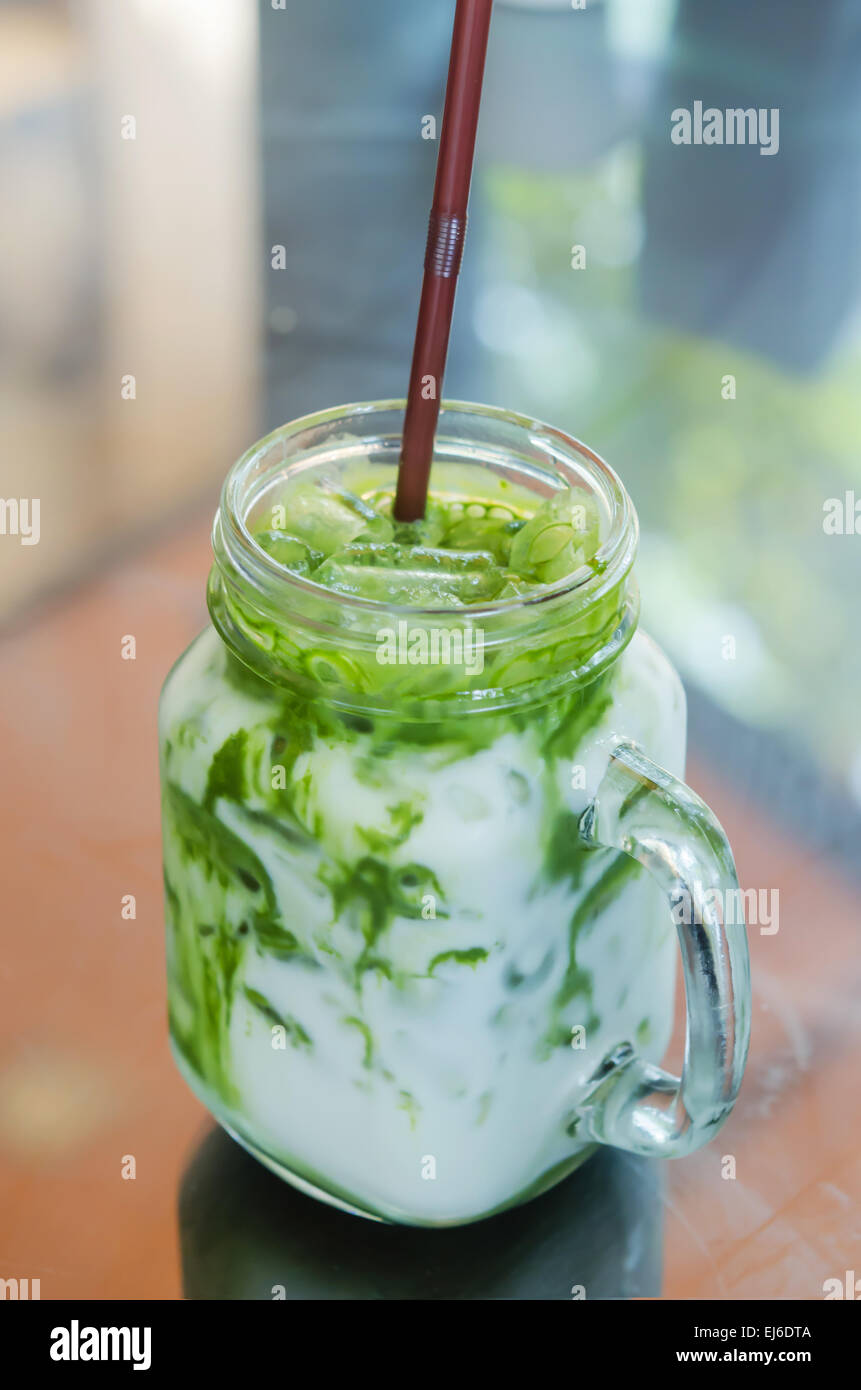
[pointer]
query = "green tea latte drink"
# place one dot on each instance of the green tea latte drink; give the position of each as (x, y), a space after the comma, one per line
(412, 775)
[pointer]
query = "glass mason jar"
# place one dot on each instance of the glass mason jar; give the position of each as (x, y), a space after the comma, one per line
(424, 868)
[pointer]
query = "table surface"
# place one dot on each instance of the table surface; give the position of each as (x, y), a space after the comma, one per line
(87, 1081)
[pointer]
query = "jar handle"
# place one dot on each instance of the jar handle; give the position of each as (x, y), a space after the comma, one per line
(632, 1104)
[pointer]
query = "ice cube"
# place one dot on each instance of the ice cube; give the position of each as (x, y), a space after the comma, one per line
(560, 537)
(326, 518)
(293, 554)
(514, 587)
(492, 533)
(420, 576)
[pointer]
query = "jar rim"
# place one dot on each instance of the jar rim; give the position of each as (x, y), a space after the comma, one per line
(233, 540)
(297, 632)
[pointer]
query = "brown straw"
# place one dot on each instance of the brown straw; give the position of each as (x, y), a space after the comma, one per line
(443, 255)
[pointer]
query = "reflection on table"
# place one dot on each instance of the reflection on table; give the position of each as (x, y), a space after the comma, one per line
(244, 1234)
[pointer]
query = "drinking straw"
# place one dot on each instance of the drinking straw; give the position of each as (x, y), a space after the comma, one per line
(446, 232)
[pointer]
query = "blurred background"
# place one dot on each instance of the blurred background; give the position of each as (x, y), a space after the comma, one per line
(144, 247)
(213, 220)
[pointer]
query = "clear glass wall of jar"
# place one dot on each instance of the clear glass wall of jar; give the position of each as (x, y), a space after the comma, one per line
(421, 957)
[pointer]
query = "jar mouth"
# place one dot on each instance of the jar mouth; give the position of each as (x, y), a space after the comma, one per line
(295, 631)
(266, 460)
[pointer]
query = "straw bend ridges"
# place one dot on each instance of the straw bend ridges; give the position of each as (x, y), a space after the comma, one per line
(446, 235)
